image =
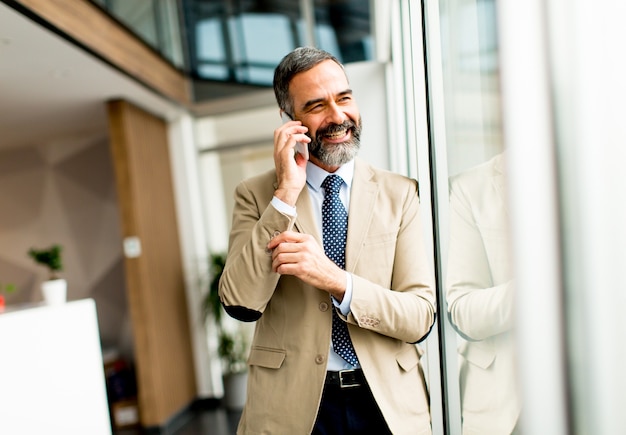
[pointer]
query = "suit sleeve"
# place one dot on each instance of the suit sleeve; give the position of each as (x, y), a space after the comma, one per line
(479, 291)
(248, 282)
(393, 290)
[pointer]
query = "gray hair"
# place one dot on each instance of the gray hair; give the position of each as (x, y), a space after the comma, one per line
(299, 60)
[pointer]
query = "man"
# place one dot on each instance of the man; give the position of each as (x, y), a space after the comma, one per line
(480, 297)
(288, 270)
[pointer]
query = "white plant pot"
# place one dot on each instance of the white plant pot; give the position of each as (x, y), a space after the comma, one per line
(235, 386)
(54, 291)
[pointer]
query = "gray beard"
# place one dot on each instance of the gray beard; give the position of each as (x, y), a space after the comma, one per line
(336, 154)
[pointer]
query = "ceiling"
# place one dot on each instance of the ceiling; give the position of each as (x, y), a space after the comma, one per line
(51, 90)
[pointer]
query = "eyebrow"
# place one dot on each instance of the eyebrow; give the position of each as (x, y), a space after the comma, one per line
(310, 103)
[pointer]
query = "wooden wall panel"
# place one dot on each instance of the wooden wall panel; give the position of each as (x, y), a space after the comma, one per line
(155, 283)
(84, 22)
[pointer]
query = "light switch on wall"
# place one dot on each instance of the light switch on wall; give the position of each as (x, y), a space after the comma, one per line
(132, 247)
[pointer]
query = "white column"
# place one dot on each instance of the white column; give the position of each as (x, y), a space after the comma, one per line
(184, 159)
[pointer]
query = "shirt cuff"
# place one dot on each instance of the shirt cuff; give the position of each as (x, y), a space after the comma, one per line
(283, 207)
(344, 306)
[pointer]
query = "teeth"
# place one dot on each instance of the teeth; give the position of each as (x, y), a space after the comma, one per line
(336, 135)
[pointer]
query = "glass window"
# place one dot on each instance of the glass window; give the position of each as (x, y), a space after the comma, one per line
(244, 41)
(210, 52)
(139, 15)
(343, 28)
(259, 41)
(476, 283)
(169, 32)
(239, 41)
(155, 22)
(470, 79)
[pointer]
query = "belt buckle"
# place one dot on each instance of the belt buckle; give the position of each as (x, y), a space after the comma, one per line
(349, 377)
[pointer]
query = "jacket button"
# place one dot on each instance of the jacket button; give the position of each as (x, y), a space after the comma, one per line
(319, 359)
(323, 306)
(276, 234)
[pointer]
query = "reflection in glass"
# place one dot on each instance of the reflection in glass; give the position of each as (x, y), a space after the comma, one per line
(479, 282)
(480, 298)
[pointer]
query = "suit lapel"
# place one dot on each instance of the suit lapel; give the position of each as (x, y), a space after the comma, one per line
(499, 179)
(305, 222)
(362, 202)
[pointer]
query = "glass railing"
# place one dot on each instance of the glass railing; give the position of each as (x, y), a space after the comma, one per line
(156, 22)
(243, 41)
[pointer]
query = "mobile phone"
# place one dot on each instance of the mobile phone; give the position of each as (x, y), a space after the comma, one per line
(301, 148)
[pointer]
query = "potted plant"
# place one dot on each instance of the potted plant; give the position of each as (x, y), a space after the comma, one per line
(233, 345)
(54, 288)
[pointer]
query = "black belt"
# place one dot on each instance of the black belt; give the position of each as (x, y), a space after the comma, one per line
(346, 378)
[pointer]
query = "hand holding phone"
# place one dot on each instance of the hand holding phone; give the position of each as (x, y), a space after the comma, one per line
(301, 148)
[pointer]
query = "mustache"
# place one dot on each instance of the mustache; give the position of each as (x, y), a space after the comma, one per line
(339, 153)
(331, 129)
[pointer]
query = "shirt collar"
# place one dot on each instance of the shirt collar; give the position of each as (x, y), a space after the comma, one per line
(316, 175)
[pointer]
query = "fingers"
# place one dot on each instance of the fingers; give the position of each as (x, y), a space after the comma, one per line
(300, 255)
(286, 136)
(286, 249)
(290, 172)
(286, 237)
(289, 246)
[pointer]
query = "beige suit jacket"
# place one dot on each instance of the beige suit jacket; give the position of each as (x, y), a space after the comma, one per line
(393, 305)
(480, 299)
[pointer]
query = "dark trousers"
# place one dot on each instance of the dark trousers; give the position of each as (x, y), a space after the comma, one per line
(349, 411)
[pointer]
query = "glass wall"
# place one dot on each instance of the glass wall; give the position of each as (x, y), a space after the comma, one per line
(156, 22)
(344, 29)
(230, 47)
(466, 164)
(477, 284)
(243, 41)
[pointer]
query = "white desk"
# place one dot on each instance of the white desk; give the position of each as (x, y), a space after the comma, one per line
(51, 372)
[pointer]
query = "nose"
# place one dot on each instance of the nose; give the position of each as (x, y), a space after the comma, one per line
(335, 114)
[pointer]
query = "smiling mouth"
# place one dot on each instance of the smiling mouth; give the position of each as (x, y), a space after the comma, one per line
(336, 135)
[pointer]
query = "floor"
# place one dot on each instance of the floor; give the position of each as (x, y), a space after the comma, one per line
(203, 421)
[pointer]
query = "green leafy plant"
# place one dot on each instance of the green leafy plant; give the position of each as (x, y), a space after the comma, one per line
(7, 288)
(50, 258)
(233, 349)
(211, 303)
(232, 342)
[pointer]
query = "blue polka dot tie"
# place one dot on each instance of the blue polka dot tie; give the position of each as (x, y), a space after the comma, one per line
(335, 229)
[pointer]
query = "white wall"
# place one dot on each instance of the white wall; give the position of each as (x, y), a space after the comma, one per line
(57, 384)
